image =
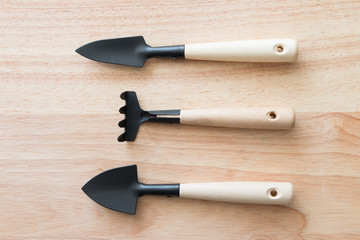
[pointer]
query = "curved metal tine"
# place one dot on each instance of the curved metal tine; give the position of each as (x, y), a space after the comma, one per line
(122, 123)
(122, 137)
(122, 110)
(123, 95)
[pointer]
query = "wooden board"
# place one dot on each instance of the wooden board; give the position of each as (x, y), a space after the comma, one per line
(59, 114)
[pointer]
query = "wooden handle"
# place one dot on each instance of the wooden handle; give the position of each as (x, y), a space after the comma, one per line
(279, 193)
(259, 118)
(267, 50)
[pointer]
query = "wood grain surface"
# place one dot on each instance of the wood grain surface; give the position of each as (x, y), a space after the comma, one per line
(59, 114)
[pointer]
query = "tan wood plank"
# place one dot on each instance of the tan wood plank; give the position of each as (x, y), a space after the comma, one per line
(47, 158)
(59, 114)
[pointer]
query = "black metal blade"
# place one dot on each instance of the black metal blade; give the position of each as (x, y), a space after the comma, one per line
(130, 51)
(115, 189)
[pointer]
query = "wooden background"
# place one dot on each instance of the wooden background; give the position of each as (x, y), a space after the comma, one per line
(59, 114)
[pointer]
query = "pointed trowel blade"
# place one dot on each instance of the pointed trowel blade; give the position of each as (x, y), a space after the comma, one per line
(115, 189)
(130, 51)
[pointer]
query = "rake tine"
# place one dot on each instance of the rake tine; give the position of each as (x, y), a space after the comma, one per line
(123, 110)
(122, 123)
(123, 95)
(122, 137)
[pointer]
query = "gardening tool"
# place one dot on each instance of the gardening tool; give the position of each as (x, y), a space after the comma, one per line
(257, 118)
(118, 189)
(133, 51)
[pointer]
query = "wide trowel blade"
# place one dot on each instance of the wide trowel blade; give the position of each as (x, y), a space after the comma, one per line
(130, 51)
(114, 189)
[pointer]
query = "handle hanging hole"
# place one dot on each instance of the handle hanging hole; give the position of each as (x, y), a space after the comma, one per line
(273, 193)
(279, 49)
(272, 115)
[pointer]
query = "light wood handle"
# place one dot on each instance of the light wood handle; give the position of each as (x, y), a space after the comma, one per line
(266, 50)
(259, 118)
(279, 193)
